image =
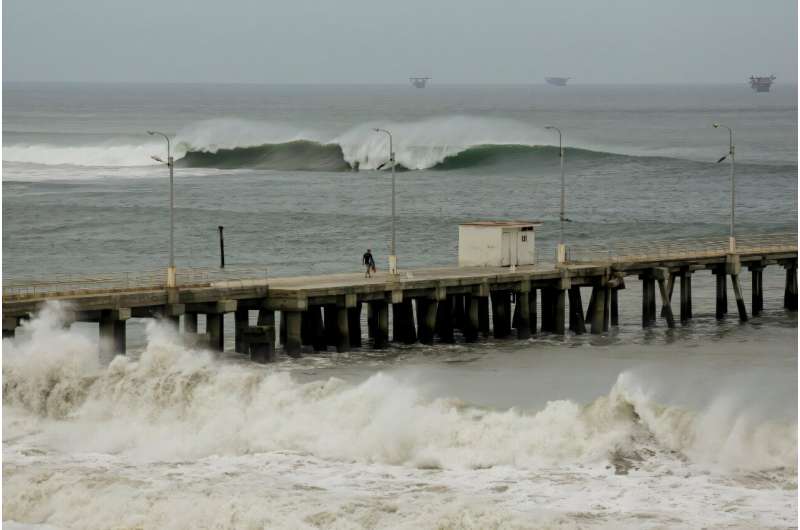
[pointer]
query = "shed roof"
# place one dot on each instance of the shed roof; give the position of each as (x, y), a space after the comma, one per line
(502, 224)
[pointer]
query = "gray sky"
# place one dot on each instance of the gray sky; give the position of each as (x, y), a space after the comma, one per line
(361, 41)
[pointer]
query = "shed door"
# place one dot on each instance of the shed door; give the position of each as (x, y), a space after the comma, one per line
(509, 250)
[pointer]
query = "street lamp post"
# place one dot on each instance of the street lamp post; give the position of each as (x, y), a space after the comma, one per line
(171, 280)
(732, 237)
(393, 255)
(561, 251)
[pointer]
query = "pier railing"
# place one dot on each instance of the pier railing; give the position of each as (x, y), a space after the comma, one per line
(680, 248)
(63, 285)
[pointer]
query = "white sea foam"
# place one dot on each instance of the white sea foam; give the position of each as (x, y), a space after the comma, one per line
(179, 439)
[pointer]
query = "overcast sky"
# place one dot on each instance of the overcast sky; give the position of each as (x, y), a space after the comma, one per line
(372, 41)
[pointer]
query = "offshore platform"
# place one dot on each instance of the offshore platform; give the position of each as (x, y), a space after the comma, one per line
(557, 81)
(761, 84)
(419, 81)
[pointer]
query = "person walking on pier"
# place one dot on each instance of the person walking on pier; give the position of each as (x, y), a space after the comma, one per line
(369, 263)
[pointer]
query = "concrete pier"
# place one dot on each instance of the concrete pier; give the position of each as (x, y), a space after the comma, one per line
(323, 311)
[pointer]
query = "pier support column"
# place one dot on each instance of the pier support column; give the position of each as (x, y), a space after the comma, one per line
(261, 338)
(686, 296)
(354, 324)
(523, 312)
(112, 331)
(559, 305)
(403, 317)
(242, 322)
(215, 329)
(315, 328)
(598, 307)
(380, 313)
(533, 310)
(426, 319)
(472, 308)
(666, 307)
(331, 326)
(576, 322)
(757, 284)
(293, 344)
(614, 306)
(371, 321)
(190, 323)
(444, 320)
(722, 295)
(342, 330)
(483, 316)
(547, 310)
(737, 292)
(9, 327)
(648, 299)
(501, 313)
(790, 289)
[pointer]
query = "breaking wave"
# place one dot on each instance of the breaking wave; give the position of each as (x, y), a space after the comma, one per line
(174, 402)
(457, 142)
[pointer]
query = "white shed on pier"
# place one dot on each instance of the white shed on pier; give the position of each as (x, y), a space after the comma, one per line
(496, 243)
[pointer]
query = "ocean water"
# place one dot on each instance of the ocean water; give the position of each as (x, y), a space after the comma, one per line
(686, 428)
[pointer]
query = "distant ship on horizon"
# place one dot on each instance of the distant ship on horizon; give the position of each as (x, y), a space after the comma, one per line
(761, 84)
(557, 81)
(419, 81)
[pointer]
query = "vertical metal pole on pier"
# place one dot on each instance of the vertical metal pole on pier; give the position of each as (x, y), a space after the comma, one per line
(171, 280)
(731, 150)
(561, 252)
(221, 248)
(393, 255)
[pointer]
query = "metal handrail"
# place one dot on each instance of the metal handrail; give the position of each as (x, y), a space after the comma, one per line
(62, 285)
(677, 248)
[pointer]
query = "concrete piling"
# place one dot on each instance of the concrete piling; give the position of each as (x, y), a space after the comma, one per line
(790, 289)
(722, 296)
(483, 315)
(342, 330)
(686, 296)
(666, 307)
(215, 328)
(598, 306)
(293, 344)
(261, 338)
(403, 322)
(472, 308)
(426, 319)
(242, 322)
(648, 299)
(614, 306)
(354, 325)
(380, 312)
(547, 310)
(559, 305)
(523, 312)
(757, 288)
(444, 321)
(190, 323)
(112, 331)
(737, 292)
(576, 323)
(501, 313)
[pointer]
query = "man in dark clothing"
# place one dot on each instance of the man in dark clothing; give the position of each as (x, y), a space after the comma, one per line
(369, 263)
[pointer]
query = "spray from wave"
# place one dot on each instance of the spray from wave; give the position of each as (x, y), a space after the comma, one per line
(174, 402)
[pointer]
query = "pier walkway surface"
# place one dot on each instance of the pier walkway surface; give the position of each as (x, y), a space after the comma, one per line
(426, 304)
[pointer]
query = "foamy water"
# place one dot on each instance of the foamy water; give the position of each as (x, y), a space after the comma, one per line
(177, 439)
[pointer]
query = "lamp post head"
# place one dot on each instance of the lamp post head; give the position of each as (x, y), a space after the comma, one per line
(716, 125)
(151, 133)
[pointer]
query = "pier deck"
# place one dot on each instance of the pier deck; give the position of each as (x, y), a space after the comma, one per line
(325, 310)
